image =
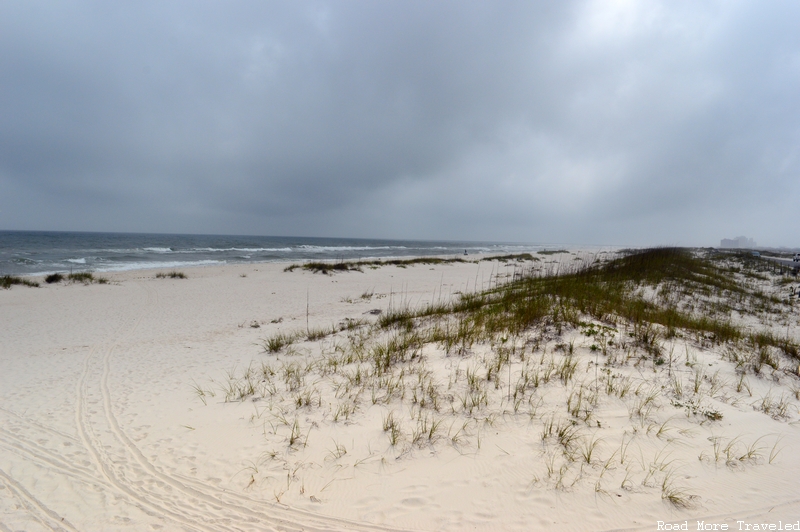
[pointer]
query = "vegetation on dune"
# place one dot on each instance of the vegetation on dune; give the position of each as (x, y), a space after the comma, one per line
(557, 347)
(519, 257)
(687, 293)
(79, 277)
(171, 275)
(75, 277)
(86, 278)
(345, 266)
(657, 292)
(7, 280)
(552, 251)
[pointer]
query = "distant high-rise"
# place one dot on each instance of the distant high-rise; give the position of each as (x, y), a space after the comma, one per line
(738, 242)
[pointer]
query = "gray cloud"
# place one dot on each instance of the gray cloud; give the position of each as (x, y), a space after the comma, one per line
(581, 122)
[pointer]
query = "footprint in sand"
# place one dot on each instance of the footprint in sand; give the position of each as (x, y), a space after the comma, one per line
(414, 502)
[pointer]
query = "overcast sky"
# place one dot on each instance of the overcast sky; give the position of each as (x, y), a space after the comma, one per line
(613, 122)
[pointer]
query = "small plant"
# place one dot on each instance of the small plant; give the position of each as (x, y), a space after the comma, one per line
(392, 426)
(54, 278)
(337, 452)
(587, 449)
(344, 411)
(773, 454)
(278, 341)
(777, 409)
(697, 382)
(717, 384)
(678, 497)
(295, 435)
(313, 335)
(743, 384)
(171, 275)
(695, 408)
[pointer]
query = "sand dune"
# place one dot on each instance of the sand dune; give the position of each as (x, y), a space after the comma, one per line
(151, 404)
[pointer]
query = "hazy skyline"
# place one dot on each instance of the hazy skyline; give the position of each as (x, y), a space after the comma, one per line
(617, 122)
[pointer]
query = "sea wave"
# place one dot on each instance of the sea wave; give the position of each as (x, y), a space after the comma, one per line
(346, 248)
(158, 250)
(127, 266)
(119, 252)
(245, 250)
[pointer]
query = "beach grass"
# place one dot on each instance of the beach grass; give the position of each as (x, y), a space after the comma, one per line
(552, 251)
(359, 265)
(171, 275)
(7, 281)
(86, 278)
(560, 349)
(518, 257)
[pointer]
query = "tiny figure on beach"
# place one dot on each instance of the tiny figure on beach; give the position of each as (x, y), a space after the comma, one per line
(465, 252)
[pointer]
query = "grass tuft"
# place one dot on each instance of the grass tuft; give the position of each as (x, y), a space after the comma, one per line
(86, 278)
(171, 275)
(7, 280)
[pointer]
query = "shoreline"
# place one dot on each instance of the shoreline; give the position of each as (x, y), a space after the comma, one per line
(473, 257)
(58, 252)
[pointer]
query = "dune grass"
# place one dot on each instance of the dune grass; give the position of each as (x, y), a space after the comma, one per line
(552, 252)
(76, 277)
(518, 257)
(86, 278)
(555, 348)
(656, 294)
(171, 275)
(358, 266)
(685, 289)
(344, 266)
(6, 281)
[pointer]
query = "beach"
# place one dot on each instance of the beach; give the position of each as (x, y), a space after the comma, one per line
(151, 403)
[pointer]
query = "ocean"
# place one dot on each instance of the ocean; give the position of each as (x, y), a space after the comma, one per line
(43, 252)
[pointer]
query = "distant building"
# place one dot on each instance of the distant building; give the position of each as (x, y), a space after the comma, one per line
(737, 243)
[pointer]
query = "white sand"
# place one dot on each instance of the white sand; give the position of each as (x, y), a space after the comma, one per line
(101, 427)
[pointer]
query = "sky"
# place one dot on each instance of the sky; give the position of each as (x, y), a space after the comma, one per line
(583, 122)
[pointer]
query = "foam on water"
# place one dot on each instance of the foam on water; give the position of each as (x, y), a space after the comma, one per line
(36, 253)
(152, 265)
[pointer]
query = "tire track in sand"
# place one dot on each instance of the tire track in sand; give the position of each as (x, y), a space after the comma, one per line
(36, 508)
(114, 471)
(193, 505)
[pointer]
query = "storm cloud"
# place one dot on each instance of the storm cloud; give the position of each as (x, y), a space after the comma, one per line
(615, 122)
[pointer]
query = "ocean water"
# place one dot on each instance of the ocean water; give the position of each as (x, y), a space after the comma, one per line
(42, 252)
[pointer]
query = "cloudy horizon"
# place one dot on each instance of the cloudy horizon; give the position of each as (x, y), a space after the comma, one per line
(584, 122)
